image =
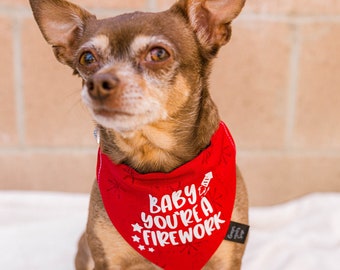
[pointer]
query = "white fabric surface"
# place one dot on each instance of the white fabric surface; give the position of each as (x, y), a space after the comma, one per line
(39, 231)
(303, 234)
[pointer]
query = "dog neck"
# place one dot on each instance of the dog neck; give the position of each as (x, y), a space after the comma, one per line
(164, 145)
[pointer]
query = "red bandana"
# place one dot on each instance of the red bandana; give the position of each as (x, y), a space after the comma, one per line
(176, 220)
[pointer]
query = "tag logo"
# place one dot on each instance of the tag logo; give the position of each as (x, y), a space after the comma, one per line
(237, 232)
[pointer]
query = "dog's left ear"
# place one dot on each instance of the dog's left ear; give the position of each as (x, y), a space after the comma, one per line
(62, 25)
(211, 19)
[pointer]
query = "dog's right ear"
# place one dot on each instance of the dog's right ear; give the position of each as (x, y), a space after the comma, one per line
(62, 25)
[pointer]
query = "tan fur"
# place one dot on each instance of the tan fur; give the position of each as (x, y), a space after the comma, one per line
(151, 115)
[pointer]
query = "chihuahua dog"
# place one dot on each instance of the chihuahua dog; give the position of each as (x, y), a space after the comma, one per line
(145, 82)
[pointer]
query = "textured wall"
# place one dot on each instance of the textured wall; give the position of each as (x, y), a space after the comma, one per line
(277, 85)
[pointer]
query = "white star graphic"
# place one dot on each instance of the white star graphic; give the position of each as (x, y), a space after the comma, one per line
(137, 227)
(141, 247)
(151, 250)
(135, 238)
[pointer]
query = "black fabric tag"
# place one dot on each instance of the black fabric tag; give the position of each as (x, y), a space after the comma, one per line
(237, 232)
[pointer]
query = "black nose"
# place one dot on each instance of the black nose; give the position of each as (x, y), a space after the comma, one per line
(101, 86)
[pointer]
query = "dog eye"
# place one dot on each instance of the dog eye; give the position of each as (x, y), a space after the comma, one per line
(87, 58)
(157, 54)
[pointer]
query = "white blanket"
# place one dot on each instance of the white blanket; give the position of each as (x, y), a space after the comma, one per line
(39, 231)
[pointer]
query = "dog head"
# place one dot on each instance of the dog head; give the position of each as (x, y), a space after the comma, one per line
(138, 68)
(145, 75)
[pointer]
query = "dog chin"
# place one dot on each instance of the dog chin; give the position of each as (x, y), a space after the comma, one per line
(121, 124)
(124, 124)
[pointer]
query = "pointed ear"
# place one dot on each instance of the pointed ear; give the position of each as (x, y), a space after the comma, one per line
(211, 20)
(62, 25)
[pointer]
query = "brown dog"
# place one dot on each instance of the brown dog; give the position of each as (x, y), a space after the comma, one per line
(145, 81)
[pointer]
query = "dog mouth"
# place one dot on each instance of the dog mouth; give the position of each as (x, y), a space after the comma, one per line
(123, 116)
(100, 109)
(108, 112)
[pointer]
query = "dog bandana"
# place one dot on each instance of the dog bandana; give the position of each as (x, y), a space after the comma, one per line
(176, 220)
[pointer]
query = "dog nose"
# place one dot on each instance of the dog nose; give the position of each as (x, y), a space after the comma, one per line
(100, 86)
